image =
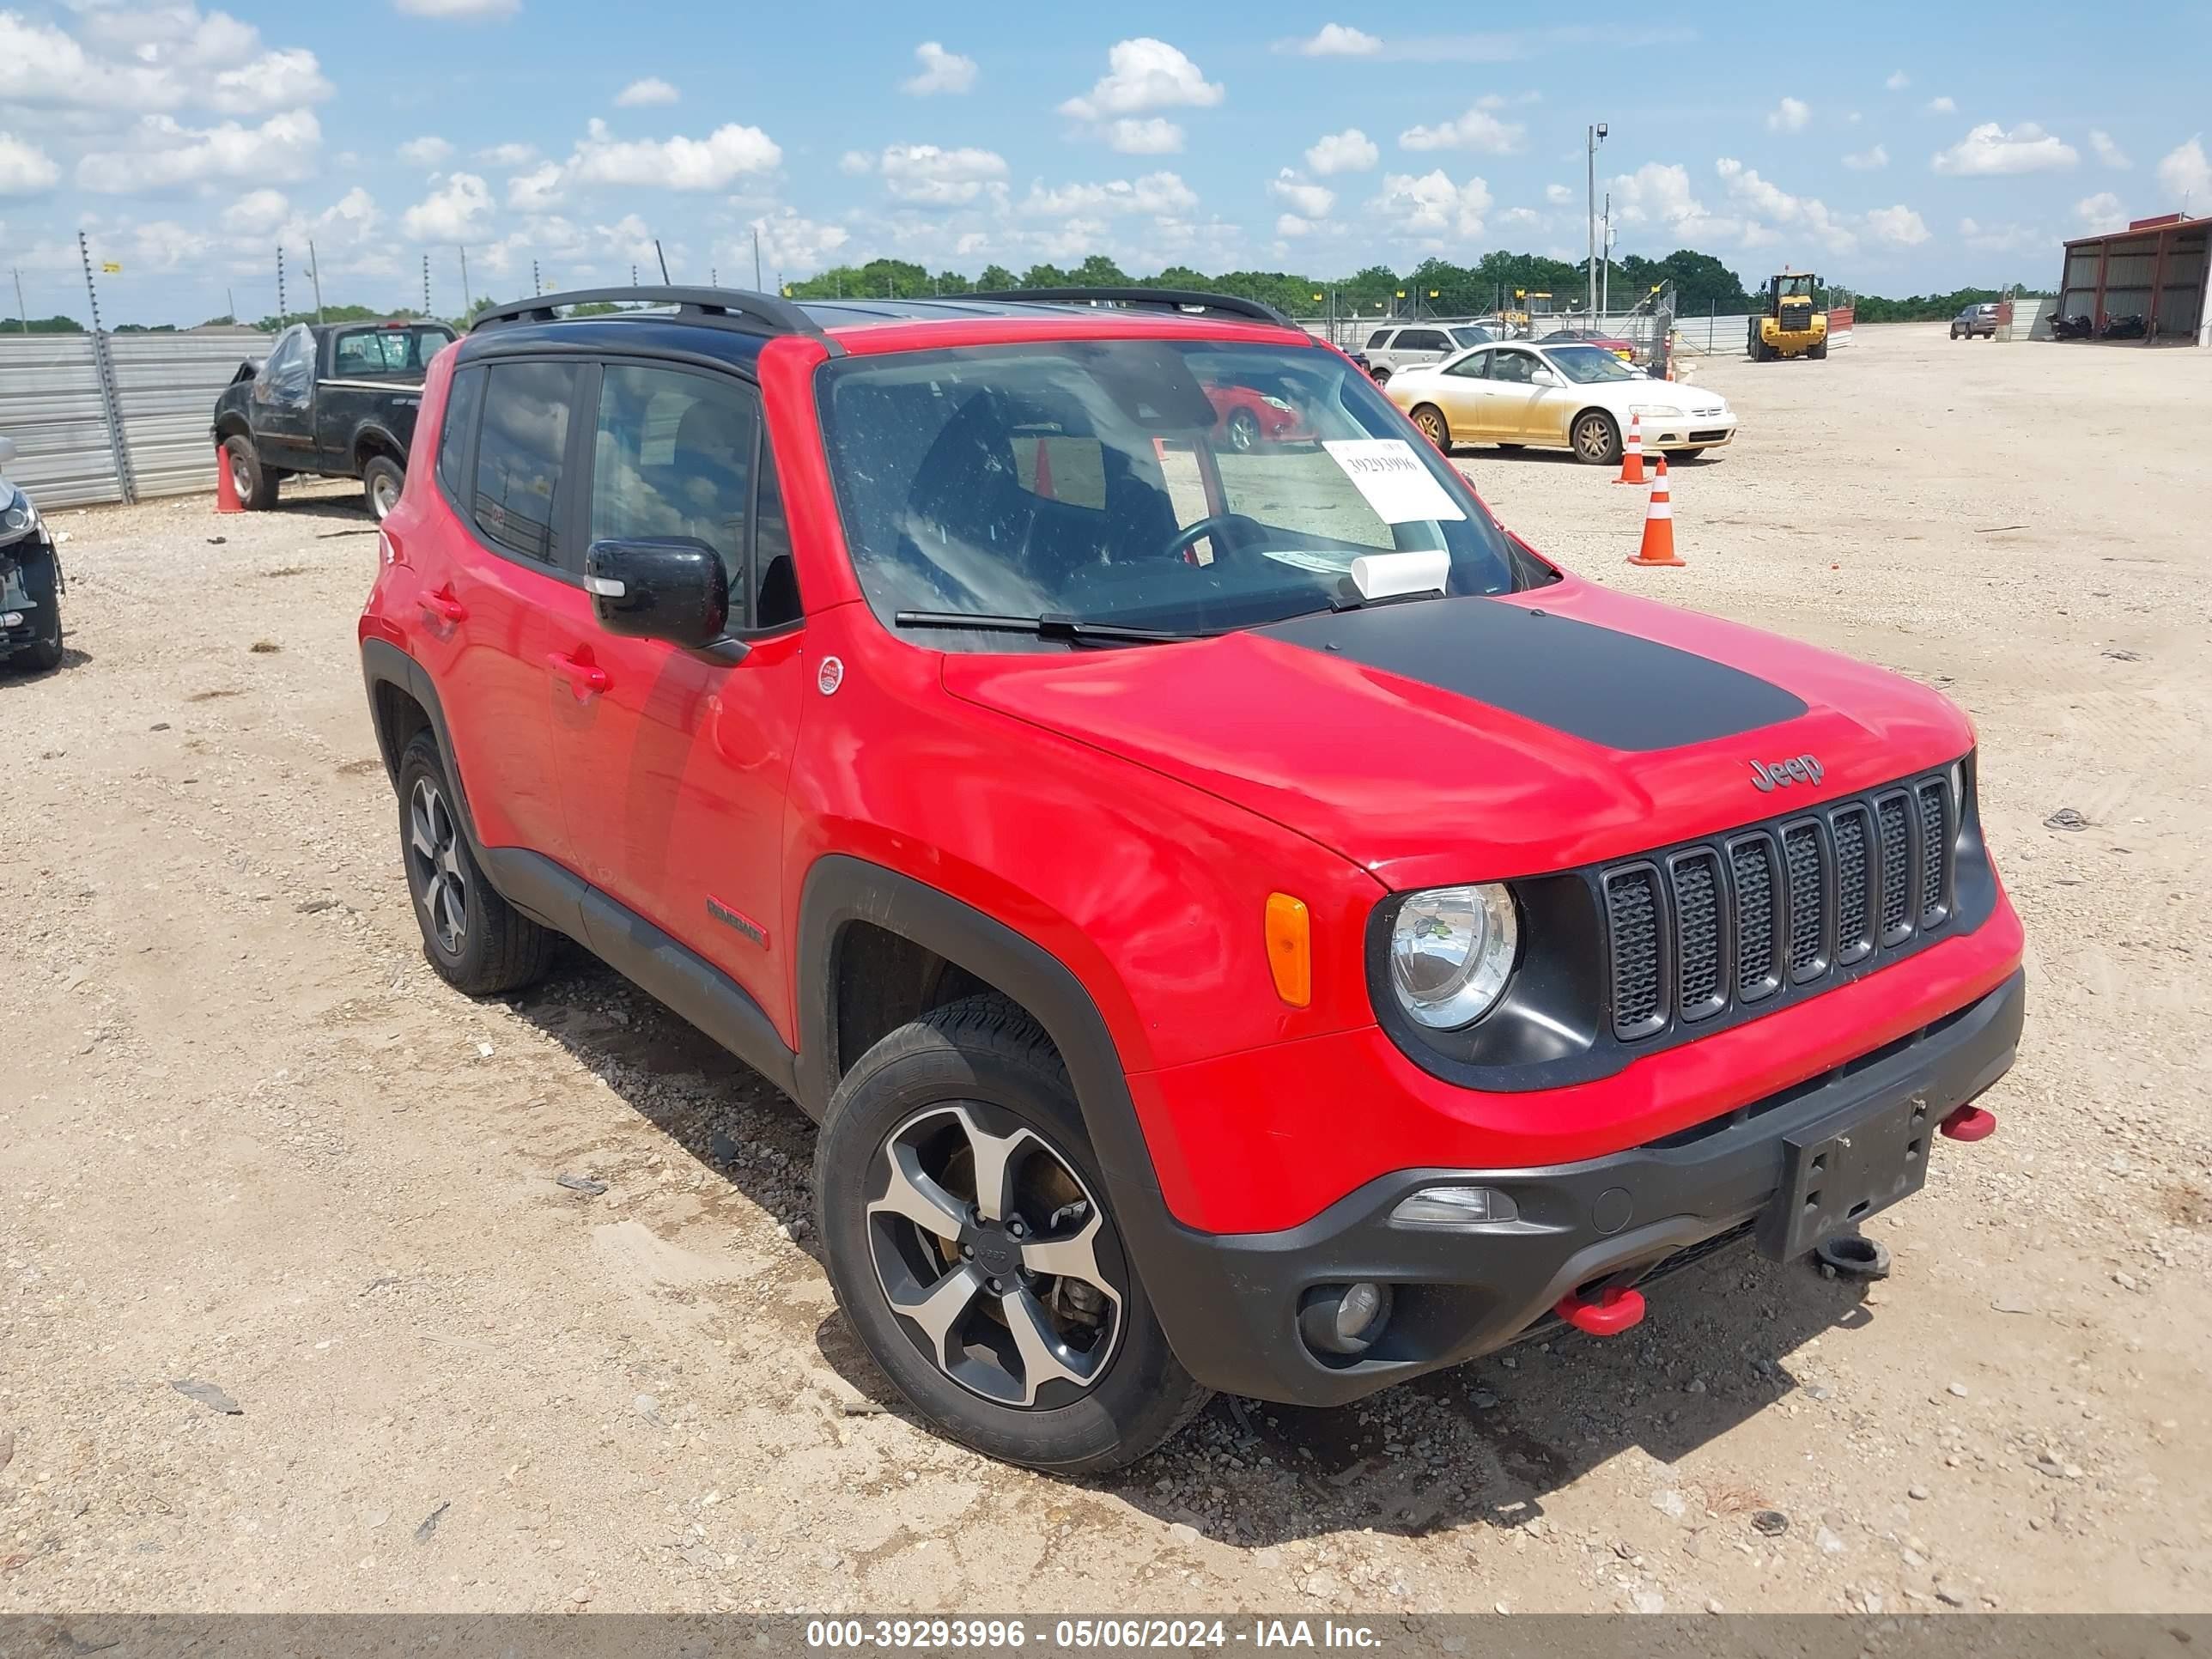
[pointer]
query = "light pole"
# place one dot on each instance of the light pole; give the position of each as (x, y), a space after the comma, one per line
(1605, 246)
(1596, 138)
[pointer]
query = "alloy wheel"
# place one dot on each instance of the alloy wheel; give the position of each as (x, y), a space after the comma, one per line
(996, 1258)
(1431, 425)
(1594, 438)
(384, 496)
(1243, 431)
(433, 857)
(241, 481)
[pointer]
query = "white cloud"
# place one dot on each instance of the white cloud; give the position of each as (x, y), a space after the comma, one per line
(794, 244)
(536, 190)
(428, 151)
(2101, 212)
(462, 10)
(257, 214)
(24, 167)
(275, 80)
(1307, 200)
(1477, 130)
(2186, 176)
(930, 177)
(2107, 152)
(725, 154)
(1899, 81)
(1790, 115)
(650, 93)
(172, 57)
(941, 71)
(1290, 226)
(1867, 160)
(1899, 227)
(164, 154)
(1559, 195)
(507, 155)
(1942, 107)
(1154, 194)
(1431, 206)
(1144, 74)
(2001, 239)
(1658, 193)
(1769, 202)
(1523, 218)
(455, 211)
(1349, 151)
(1988, 149)
(1147, 135)
(1338, 40)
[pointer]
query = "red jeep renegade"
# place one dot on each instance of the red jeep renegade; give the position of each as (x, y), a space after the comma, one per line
(1241, 918)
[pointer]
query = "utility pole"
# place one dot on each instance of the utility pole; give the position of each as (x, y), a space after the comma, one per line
(315, 269)
(662, 257)
(230, 304)
(756, 257)
(536, 287)
(1605, 246)
(426, 285)
(1596, 138)
(468, 299)
(280, 288)
(632, 276)
(21, 315)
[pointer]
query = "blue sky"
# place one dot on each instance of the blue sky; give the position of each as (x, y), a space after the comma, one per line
(1898, 151)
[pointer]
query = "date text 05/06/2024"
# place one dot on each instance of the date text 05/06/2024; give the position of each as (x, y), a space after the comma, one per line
(1085, 1634)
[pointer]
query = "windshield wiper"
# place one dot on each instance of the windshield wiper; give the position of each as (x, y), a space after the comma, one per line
(1050, 626)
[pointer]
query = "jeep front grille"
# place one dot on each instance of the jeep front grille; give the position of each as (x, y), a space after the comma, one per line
(1724, 924)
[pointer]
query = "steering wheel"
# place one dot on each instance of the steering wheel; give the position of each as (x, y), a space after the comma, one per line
(1187, 539)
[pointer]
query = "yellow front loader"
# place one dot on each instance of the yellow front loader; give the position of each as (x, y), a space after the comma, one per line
(1792, 322)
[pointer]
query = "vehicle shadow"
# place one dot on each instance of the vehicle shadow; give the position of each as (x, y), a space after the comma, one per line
(1485, 1444)
(71, 658)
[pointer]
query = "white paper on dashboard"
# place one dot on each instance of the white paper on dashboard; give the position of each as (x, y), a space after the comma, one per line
(1388, 473)
(1383, 575)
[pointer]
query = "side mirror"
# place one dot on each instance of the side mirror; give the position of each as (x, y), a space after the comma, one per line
(671, 588)
(1544, 377)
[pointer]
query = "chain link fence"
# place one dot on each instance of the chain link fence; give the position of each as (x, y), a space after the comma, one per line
(115, 418)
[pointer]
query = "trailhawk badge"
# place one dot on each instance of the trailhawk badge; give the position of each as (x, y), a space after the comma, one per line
(1780, 774)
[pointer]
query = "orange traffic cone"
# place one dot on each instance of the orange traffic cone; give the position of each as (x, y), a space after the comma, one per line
(1042, 484)
(1658, 546)
(1632, 454)
(226, 488)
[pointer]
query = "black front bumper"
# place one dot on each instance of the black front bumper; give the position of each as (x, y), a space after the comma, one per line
(1230, 1302)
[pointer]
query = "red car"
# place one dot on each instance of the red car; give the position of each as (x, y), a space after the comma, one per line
(1287, 972)
(1246, 416)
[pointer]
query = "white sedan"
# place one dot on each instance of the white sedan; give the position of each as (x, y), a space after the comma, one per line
(1564, 397)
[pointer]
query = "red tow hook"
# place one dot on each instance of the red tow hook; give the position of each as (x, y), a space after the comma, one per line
(1613, 1312)
(1969, 1123)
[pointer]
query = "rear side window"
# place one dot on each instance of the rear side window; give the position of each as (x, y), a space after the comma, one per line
(1379, 338)
(520, 451)
(1423, 339)
(458, 431)
(380, 351)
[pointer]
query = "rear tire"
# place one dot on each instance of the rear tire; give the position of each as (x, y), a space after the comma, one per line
(255, 484)
(381, 481)
(933, 1097)
(1434, 426)
(42, 579)
(1819, 350)
(480, 944)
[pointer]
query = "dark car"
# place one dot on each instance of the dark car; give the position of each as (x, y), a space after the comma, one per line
(338, 400)
(1290, 969)
(1975, 320)
(30, 580)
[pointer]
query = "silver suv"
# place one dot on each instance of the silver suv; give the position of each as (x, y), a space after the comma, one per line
(1409, 345)
(1975, 320)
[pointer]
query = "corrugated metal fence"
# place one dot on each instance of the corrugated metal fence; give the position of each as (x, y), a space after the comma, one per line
(63, 416)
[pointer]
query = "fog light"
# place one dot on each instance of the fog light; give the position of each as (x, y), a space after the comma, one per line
(11, 619)
(1344, 1319)
(1456, 1206)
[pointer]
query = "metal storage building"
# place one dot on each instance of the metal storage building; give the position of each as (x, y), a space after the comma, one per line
(2155, 269)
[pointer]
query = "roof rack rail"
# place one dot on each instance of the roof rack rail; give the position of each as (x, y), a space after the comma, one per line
(767, 312)
(1158, 298)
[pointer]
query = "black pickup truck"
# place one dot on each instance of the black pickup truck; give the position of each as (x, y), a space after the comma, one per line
(338, 399)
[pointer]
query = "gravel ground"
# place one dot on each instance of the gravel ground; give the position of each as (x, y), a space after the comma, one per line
(248, 1140)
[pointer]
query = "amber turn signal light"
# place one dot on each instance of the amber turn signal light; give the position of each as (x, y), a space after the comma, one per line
(1289, 949)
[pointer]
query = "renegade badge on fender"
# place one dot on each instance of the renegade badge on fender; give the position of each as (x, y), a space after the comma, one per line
(1241, 919)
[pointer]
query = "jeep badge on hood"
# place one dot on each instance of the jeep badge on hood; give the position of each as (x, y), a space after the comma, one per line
(1780, 774)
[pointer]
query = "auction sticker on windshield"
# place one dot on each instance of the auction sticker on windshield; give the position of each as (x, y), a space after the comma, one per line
(1388, 473)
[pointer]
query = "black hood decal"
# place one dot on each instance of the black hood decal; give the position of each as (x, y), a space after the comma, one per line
(1596, 683)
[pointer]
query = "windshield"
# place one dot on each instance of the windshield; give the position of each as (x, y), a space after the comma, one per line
(1464, 337)
(1587, 365)
(1184, 486)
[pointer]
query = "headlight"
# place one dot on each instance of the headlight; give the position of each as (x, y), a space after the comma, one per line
(1656, 411)
(1451, 952)
(18, 514)
(1277, 402)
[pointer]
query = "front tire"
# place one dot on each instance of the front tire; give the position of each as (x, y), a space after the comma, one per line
(42, 579)
(480, 944)
(967, 1237)
(1596, 437)
(1380, 376)
(381, 481)
(1434, 426)
(256, 484)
